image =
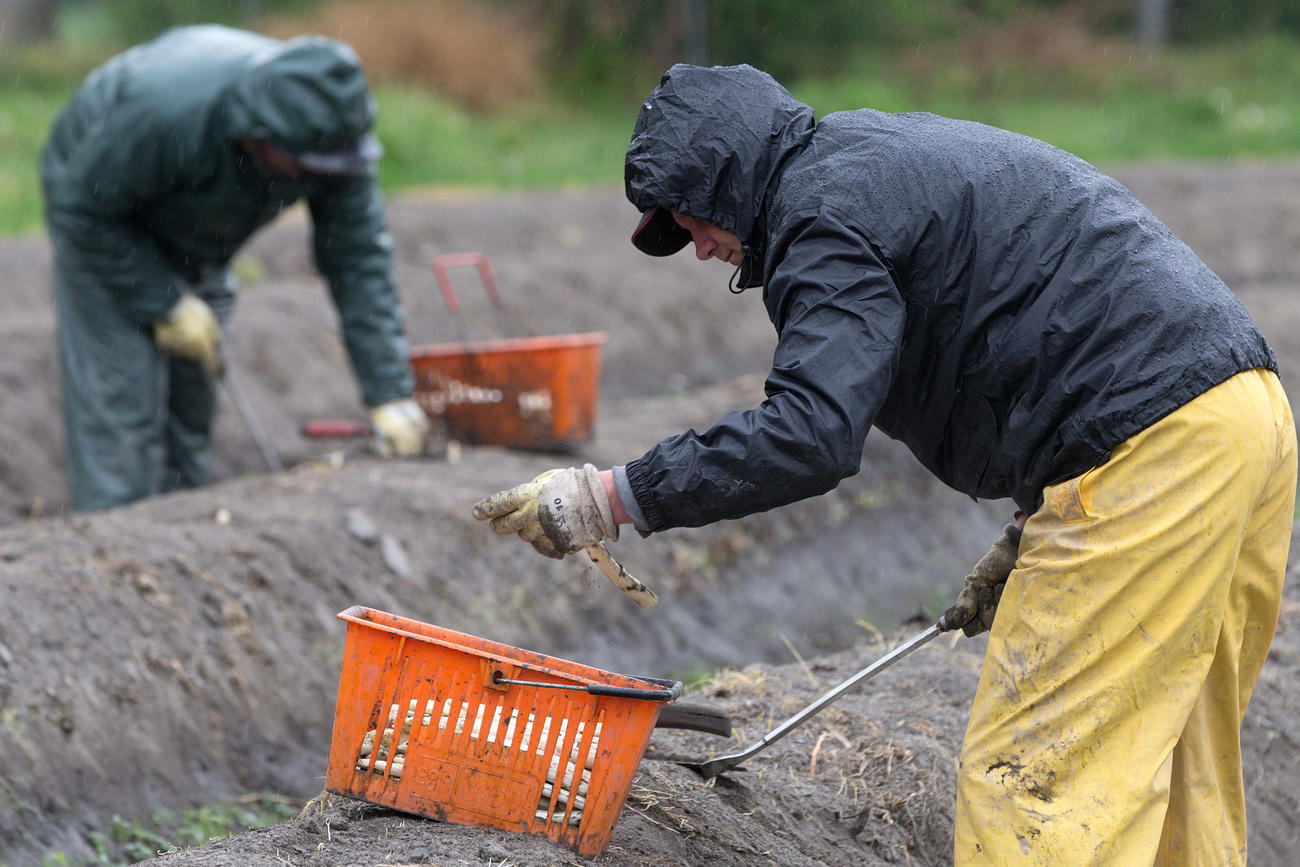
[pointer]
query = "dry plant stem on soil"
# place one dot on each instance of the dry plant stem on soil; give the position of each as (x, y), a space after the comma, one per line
(817, 748)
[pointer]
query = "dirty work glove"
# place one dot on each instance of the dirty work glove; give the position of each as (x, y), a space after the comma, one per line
(190, 330)
(400, 428)
(559, 512)
(978, 601)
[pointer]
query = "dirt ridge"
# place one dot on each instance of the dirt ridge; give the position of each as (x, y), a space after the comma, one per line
(186, 649)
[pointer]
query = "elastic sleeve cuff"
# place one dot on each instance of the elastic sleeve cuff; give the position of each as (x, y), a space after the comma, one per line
(630, 505)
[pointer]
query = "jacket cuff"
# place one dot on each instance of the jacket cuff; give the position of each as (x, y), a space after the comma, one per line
(638, 481)
(624, 489)
(378, 393)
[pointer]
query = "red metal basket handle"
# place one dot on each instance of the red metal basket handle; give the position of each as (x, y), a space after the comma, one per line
(441, 264)
(335, 428)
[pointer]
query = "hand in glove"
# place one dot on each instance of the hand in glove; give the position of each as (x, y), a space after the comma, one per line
(559, 512)
(978, 601)
(400, 427)
(190, 330)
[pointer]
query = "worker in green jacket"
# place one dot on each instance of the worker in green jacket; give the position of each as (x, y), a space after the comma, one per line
(167, 159)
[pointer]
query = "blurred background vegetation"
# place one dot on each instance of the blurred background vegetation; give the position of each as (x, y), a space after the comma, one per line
(509, 93)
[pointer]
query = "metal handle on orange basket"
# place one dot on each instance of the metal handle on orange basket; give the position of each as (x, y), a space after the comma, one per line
(669, 693)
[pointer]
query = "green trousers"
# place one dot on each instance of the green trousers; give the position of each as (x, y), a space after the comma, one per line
(1106, 726)
(136, 422)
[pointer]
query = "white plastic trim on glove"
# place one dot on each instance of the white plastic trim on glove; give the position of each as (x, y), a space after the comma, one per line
(401, 428)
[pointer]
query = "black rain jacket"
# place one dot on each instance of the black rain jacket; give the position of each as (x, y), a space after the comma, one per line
(147, 185)
(998, 305)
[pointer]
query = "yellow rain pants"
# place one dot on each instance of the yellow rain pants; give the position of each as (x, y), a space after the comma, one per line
(1106, 725)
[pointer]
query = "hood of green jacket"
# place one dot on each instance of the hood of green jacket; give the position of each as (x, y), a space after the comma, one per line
(307, 94)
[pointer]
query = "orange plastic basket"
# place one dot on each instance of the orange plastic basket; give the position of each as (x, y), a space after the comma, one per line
(521, 392)
(458, 728)
(525, 392)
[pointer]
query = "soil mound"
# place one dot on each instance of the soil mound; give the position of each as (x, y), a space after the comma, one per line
(185, 649)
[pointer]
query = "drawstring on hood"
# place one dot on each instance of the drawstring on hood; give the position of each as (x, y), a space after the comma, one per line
(731, 284)
(744, 271)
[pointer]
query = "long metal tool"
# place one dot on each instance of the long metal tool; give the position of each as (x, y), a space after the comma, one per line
(713, 767)
(250, 421)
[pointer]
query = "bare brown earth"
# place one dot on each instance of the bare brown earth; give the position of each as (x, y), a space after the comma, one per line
(185, 650)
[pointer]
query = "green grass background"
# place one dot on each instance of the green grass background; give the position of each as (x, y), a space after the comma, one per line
(1228, 101)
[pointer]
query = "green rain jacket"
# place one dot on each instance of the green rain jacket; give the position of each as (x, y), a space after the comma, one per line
(147, 185)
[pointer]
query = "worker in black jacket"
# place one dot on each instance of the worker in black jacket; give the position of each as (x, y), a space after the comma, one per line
(1030, 331)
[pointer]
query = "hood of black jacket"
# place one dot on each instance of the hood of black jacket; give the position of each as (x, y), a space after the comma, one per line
(709, 143)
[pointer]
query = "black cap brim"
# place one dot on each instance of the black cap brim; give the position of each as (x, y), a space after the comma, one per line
(658, 233)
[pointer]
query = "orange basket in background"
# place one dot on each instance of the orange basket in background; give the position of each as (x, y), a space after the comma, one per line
(529, 392)
(466, 730)
(522, 392)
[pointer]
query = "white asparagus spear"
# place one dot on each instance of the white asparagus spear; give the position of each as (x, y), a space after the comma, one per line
(620, 577)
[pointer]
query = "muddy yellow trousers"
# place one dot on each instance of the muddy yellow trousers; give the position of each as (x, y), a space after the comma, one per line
(1106, 725)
